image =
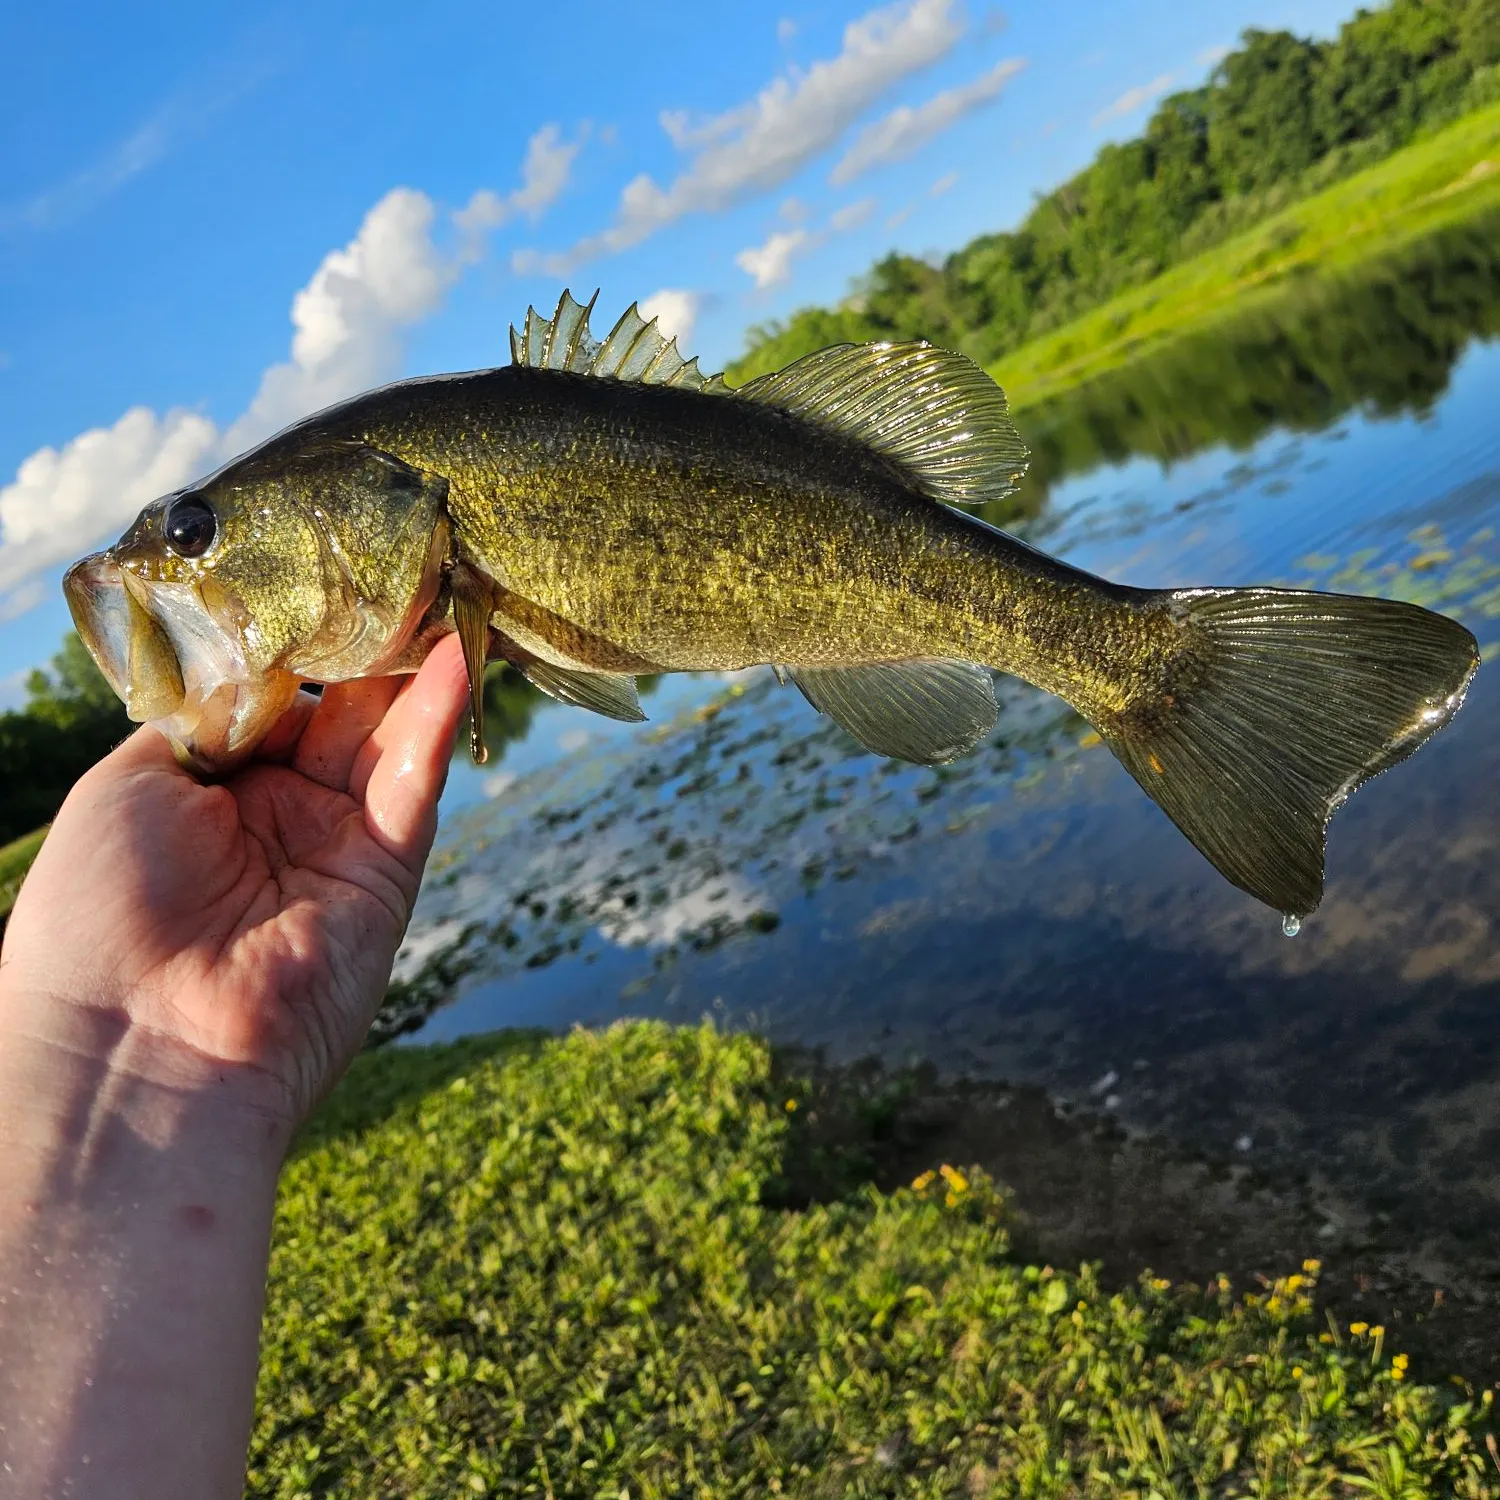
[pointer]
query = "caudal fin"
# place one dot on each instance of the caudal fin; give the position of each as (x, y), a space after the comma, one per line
(1277, 705)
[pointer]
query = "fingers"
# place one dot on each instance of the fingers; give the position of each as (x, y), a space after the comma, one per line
(344, 720)
(400, 770)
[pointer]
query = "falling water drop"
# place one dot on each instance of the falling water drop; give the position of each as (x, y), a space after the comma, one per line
(1291, 924)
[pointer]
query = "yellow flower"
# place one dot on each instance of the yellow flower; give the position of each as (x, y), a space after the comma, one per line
(791, 1106)
(1293, 1282)
(1325, 1338)
(1399, 1361)
(922, 1183)
(1378, 1331)
(954, 1178)
(1312, 1267)
(1297, 1372)
(1160, 1284)
(1359, 1328)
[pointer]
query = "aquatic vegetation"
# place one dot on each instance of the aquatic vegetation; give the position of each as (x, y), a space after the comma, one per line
(558, 1267)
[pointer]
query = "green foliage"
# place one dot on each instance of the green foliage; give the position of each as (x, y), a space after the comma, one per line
(555, 1268)
(1281, 117)
(71, 719)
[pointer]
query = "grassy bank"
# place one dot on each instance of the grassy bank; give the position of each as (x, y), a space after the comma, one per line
(604, 1265)
(15, 861)
(1442, 180)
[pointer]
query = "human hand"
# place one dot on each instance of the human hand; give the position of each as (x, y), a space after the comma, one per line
(247, 927)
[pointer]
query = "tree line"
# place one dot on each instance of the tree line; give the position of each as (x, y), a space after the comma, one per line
(1280, 116)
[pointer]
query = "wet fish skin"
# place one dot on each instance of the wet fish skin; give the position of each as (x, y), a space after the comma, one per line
(591, 528)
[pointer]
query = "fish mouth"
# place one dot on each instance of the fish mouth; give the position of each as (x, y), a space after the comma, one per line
(176, 662)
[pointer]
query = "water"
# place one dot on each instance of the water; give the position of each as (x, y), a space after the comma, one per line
(1026, 913)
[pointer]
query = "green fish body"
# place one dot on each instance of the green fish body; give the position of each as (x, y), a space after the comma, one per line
(598, 510)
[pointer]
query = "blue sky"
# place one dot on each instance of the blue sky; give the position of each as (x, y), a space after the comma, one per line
(215, 219)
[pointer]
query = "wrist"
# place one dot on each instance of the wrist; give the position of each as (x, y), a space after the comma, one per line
(136, 1196)
(76, 1080)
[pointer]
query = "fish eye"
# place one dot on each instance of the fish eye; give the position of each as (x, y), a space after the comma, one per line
(190, 525)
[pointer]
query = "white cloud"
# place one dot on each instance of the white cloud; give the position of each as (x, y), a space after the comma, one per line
(1132, 99)
(348, 323)
(755, 146)
(1210, 56)
(769, 264)
(350, 316)
(64, 497)
(786, 30)
(945, 183)
(851, 215)
(906, 130)
(545, 175)
(676, 311)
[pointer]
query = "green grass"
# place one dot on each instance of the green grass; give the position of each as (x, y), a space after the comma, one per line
(582, 1267)
(1441, 180)
(15, 861)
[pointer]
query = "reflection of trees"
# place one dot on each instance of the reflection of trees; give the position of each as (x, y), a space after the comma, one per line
(1382, 340)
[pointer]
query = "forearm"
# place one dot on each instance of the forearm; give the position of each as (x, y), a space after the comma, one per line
(136, 1194)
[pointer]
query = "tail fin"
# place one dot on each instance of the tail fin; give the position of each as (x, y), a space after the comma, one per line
(1277, 706)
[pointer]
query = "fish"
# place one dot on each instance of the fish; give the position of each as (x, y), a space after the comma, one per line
(600, 509)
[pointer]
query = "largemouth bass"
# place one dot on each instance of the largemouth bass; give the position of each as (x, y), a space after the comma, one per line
(596, 510)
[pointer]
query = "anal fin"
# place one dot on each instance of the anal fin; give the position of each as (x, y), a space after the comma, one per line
(612, 694)
(926, 712)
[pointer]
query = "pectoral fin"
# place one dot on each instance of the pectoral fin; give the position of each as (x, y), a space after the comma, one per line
(612, 694)
(926, 712)
(473, 602)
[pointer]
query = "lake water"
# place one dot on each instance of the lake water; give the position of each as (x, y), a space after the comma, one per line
(1027, 913)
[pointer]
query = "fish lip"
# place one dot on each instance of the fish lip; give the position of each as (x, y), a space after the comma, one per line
(95, 590)
(213, 728)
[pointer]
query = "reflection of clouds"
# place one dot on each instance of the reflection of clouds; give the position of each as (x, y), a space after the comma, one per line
(422, 943)
(725, 900)
(571, 740)
(497, 783)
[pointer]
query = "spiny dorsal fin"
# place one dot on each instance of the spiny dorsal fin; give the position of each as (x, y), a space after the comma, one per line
(634, 350)
(935, 412)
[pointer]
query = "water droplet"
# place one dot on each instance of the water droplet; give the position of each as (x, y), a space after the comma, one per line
(1291, 924)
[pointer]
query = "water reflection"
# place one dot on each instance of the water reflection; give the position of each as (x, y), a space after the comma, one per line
(1026, 912)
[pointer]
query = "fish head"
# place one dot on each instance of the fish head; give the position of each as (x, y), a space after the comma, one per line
(309, 561)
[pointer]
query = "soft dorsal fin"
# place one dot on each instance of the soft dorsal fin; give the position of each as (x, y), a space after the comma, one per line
(922, 711)
(634, 350)
(935, 412)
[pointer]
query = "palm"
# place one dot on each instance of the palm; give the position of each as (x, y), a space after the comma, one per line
(253, 921)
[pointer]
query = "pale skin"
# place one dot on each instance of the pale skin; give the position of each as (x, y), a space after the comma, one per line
(188, 971)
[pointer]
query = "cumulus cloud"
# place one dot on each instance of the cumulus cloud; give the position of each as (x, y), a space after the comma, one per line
(348, 323)
(905, 131)
(349, 318)
(759, 144)
(676, 311)
(545, 174)
(62, 497)
(770, 263)
(1132, 99)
